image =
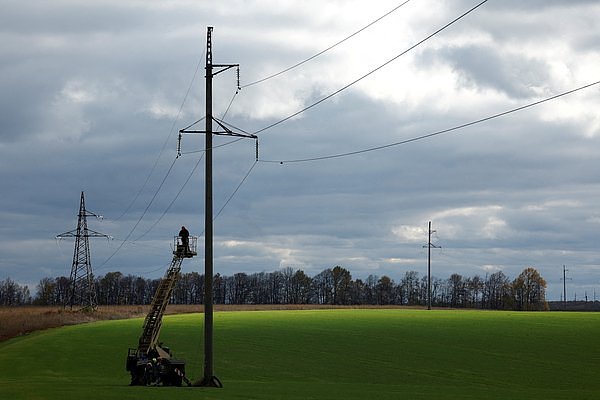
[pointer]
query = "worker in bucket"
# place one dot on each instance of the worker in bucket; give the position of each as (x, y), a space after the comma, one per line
(185, 239)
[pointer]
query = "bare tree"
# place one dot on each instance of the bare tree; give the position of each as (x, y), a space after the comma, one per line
(456, 286)
(529, 290)
(340, 283)
(385, 290)
(287, 275)
(371, 289)
(323, 286)
(45, 292)
(410, 287)
(301, 288)
(474, 287)
(497, 291)
(275, 289)
(13, 294)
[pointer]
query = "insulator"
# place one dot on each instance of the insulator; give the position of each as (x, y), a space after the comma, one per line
(179, 146)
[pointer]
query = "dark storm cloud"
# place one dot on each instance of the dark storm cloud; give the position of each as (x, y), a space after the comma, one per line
(90, 93)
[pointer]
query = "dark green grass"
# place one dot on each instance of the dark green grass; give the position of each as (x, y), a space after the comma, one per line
(325, 354)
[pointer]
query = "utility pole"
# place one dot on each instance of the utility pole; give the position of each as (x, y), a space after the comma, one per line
(209, 379)
(564, 279)
(81, 282)
(429, 246)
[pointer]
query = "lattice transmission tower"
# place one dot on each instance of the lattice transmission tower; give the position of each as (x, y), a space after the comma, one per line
(81, 291)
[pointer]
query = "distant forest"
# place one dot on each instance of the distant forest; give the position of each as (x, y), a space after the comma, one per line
(333, 286)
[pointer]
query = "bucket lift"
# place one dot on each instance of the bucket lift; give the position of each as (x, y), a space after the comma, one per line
(151, 361)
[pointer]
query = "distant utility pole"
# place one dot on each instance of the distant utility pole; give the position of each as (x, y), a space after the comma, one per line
(81, 283)
(429, 246)
(209, 379)
(564, 279)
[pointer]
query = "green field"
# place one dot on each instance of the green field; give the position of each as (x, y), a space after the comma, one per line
(325, 354)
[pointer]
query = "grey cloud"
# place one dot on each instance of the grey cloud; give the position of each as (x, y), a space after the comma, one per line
(483, 67)
(93, 113)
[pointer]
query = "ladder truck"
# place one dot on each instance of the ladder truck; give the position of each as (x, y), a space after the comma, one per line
(152, 362)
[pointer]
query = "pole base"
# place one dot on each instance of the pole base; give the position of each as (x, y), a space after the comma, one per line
(212, 381)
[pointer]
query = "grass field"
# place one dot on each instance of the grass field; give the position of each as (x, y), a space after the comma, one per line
(324, 354)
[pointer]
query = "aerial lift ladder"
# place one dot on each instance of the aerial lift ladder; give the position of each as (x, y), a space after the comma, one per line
(151, 359)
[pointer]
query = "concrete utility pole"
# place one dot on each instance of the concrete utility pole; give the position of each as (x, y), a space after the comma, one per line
(429, 246)
(564, 279)
(209, 379)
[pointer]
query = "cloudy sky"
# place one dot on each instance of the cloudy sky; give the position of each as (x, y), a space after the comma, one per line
(93, 94)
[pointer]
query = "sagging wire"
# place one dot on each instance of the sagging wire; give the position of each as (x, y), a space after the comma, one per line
(166, 141)
(174, 199)
(327, 49)
(436, 133)
(236, 189)
(142, 216)
(371, 72)
(233, 193)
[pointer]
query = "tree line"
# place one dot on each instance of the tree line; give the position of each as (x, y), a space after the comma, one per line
(332, 286)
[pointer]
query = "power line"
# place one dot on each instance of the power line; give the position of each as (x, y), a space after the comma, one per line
(142, 216)
(148, 246)
(272, 125)
(229, 125)
(172, 201)
(327, 49)
(372, 71)
(132, 243)
(426, 136)
(168, 172)
(231, 196)
(236, 189)
(214, 147)
(165, 143)
(224, 125)
(230, 103)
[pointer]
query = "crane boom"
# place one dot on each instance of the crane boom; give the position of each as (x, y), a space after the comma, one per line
(153, 322)
(150, 353)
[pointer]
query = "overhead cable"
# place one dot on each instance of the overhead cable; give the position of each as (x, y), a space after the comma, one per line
(174, 199)
(327, 49)
(372, 71)
(236, 189)
(437, 133)
(232, 195)
(142, 216)
(165, 143)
